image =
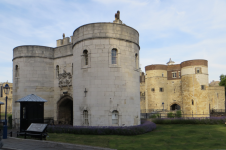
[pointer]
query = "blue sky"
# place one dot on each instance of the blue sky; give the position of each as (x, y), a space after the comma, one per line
(177, 29)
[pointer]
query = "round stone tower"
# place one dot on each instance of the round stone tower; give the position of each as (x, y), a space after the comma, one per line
(194, 78)
(156, 81)
(106, 75)
(32, 74)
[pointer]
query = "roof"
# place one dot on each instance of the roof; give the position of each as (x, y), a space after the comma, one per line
(214, 83)
(31, 98)
(1, 103)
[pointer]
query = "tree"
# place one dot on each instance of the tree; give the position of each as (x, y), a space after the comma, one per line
(223, 81)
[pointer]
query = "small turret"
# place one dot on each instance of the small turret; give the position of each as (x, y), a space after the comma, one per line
(170, 62)
(64, 41)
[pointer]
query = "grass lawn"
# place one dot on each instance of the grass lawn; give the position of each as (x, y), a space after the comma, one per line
(171, 136)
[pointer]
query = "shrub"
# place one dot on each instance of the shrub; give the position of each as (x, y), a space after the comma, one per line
(178, 114)
(170, 115)
(207, 120)
(147, 126)
(155, 116)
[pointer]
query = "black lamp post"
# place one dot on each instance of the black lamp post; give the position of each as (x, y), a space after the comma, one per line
(6, 91)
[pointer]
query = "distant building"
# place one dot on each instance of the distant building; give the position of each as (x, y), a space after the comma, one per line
(182, 87)
(3, 97)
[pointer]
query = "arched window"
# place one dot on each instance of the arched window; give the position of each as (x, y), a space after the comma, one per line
(85, 54)
(192, 102)
(114, 56)
(16, 71)
(136, 61)
(85, 117)
(57, 71)
(115, 117)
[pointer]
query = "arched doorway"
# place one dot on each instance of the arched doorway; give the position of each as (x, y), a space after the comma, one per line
(65, 110)
(175, 107)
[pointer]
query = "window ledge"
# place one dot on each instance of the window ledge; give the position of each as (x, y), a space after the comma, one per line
(114, 66)
(85, 67)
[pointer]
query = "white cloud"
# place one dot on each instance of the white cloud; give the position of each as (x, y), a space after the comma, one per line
(180, 30)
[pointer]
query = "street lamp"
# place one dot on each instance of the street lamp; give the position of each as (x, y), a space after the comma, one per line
(6, 89)
(163, 105)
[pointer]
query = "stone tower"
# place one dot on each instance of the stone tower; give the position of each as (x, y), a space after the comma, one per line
(194, 78)
(106, 74)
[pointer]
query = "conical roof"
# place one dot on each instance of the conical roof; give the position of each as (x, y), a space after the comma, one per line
(31, 98)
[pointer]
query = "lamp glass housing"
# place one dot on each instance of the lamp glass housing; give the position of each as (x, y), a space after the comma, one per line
(6, 89)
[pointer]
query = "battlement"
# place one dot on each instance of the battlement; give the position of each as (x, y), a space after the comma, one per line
(64, 41)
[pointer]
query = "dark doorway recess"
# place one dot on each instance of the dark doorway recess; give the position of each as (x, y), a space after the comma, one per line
(65, 111)
(175, 107)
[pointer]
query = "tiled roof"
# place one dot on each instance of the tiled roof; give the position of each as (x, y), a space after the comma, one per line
(31, 98)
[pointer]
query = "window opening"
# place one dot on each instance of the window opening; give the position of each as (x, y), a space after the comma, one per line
(57, 70)
(152, 89)
(203, 87)
(85, 117)
(198, 70)
(17, 71)
(85, 53)
(192, 102)
(174, 74)
(115, 117)
(161, 89)
(114, 56)
(179, 74)
(24, 112)
(72, 68)
(162, 74)
(136, 61)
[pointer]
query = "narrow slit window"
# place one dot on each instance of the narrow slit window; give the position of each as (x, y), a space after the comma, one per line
(57, 71)
(136, 61)
(161, 89)
(17, 71)
(114, 56)
(85, 54)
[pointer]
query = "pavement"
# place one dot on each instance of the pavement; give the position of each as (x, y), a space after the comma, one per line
(13, 143)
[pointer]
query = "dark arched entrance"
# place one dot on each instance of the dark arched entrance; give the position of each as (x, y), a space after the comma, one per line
(65, 110)
(175, 107)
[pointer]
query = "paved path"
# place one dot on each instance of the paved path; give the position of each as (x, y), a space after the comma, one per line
(26, 144)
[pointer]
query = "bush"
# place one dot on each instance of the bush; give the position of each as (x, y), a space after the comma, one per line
(155, 116)
(10, 121)
(170, 115)
(178, 114)
(147, 126)
(207, 120)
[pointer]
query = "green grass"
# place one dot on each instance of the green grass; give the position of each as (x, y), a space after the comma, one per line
(163, 138)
